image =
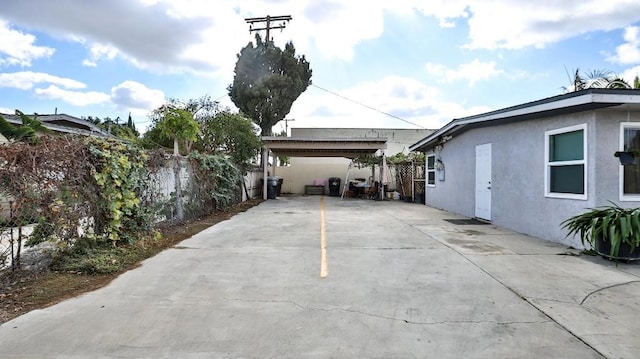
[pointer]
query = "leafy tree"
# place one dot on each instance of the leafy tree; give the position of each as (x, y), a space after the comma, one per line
(126, 130)
(26, 132)
(175, 123)
(120, 130)
(233, 135)
(152, 138)
(267, 81)
(132, 126)
(203, 108)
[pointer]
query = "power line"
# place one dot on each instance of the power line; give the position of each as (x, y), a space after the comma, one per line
(367, 106)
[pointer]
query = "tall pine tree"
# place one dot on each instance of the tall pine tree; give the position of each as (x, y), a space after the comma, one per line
(267, 81)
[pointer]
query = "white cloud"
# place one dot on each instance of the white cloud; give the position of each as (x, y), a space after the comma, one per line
(514, 24)
(76, 98)
(203, 37)
(136, 97)
(146, 32)
(98, 52)
(629, 52)
(629, 75)
(406, 98)
(444, 10)
(18, 49)
(335, 27)
(473, 72)
(25, 80)
(197, 35)
(6, 110)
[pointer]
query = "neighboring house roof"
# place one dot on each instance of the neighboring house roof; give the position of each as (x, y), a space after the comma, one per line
(323, 147)
(585, 100)
(63, 123)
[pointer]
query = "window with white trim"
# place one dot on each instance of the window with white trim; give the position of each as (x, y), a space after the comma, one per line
(565, 162)
(630, 174)
(431, 170)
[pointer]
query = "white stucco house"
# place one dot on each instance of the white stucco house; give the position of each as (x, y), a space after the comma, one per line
(531, 166)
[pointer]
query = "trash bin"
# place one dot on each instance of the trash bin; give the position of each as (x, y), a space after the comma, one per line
(334, 186)
(272, 187)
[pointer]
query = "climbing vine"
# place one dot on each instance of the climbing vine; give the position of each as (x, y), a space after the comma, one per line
(119, 172)
(222, 180)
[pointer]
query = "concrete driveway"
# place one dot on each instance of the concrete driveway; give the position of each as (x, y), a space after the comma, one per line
(320, 277)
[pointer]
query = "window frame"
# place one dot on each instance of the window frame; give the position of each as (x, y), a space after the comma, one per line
(548, 164)
(430, 170)
(625, 197)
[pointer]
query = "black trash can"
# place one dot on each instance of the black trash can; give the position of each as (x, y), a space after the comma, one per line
(334, 186)
(279, 187)
(272, 187)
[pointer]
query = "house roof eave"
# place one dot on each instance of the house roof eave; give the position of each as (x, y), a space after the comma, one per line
(589, 99)
(63, 129)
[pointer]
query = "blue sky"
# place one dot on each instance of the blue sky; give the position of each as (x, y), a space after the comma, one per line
(423, 62)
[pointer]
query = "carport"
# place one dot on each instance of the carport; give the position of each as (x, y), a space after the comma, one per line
(318, 147)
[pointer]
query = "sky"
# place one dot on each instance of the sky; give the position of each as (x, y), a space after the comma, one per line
(376, 64)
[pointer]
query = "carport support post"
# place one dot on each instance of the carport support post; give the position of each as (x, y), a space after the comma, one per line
(265, 163)
(384, 165)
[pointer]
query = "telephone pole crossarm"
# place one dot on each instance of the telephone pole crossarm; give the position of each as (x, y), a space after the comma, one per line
(283, 19)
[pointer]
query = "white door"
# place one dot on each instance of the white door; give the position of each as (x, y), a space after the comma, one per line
(483, 181)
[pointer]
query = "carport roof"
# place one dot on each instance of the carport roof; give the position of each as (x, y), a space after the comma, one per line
(323, 147)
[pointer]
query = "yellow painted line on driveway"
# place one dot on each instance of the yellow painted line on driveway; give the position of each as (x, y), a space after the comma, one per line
(323, 242)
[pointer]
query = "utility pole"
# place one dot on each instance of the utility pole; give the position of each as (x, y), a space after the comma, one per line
(286, 125)
(283, 19)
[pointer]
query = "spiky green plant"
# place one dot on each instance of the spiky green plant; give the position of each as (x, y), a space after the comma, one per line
(612, 224)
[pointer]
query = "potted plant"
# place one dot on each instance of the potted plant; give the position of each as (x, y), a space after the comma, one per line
(612, 231)
(627, 157)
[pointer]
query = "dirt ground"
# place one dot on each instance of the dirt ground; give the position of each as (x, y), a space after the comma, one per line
(22, 292)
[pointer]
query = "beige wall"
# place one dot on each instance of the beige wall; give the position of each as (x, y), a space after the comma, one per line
(305, 170)
(305, 173)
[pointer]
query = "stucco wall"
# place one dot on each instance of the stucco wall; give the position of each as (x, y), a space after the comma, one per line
(607, 170)
(517, 197)
(296, 177)
(304, 170)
